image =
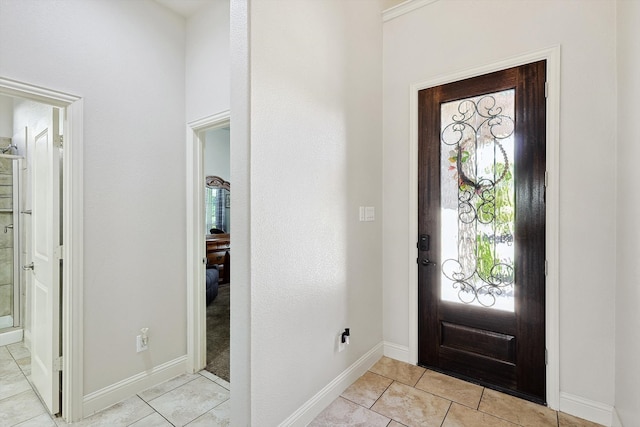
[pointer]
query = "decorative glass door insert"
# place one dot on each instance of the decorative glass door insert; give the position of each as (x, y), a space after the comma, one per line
(477, 191)
(481, 229)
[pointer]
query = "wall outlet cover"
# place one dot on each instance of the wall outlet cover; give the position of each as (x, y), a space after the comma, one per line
(140, 346)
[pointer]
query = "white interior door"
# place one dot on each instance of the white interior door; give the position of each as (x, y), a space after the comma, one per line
(45, 244)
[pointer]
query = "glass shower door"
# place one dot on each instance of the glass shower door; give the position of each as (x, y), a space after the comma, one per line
(9, 243)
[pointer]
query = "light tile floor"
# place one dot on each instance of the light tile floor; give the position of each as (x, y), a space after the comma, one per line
(394, 394)
(390, 394)
(193, 400)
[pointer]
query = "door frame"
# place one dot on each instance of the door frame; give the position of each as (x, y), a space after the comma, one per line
(552, 312)
(196, 307)
(72, 252)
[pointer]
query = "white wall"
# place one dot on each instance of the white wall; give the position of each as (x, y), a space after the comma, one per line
(628, 283)
(207, 61)
(315, 156)
(241, 303)
(126, 59)
(217, 153)
(6, 116)
(446, 37)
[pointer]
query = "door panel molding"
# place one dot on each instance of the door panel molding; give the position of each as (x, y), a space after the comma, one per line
(552, 56)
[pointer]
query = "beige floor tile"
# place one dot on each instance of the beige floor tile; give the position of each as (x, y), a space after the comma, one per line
(8, 366)
(342, 412)
(186, 403)
(207, 374)
(224, 383)
(25, 365)
(4, 354)
(153, 420)
(566, 420)
(217, 417)
(12, 384)
(462, 416)
(123, 413)
(20, 408)
(412, 407)
(215, 378)
(451, 388)
(19, 350)
(394, 423)
(399, 371)
(43, 420)
(516, 410)
(157, 391)
(367, 389)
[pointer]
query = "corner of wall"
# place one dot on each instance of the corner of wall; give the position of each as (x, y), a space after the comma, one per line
(616, 419)
(587, 409)
(310, 409)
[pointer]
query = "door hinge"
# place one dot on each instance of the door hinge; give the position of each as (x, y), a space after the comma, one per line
(546, 178)
(58, 141)
(58, 252)
(546, 267)
(57, 364)
(546, 89)
(546, 356)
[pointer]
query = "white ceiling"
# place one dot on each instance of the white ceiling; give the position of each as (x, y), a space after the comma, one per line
(185, 8)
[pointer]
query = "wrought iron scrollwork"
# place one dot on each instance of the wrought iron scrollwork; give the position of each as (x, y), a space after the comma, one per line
(479, 128)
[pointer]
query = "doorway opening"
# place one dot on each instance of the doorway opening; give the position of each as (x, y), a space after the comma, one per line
(42, 129)
(217, 207)
(552, 335)
(482, 229)
(208, 243)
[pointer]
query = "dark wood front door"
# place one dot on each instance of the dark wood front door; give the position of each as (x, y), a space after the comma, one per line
(481, 242)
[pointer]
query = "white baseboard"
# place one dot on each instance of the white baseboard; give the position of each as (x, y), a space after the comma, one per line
(11, 337)
(110, 395)
(616, 419)
(307, 412)
(590, 410)
(395, 351)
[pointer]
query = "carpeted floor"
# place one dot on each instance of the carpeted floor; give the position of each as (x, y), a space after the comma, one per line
(218, 334)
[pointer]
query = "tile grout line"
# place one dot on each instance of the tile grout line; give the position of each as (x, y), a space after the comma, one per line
(215, 381)
(168, 391)
(413, 387)
(488, 411)
(154, 410)
(370, 408)
(181, 385)
(480, 401)
(447, 413)
(385, 390)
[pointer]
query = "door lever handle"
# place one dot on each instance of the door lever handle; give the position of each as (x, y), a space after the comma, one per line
(28, 267)
(426, 262)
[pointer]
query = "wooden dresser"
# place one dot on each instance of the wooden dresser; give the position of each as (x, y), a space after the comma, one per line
(218, 253)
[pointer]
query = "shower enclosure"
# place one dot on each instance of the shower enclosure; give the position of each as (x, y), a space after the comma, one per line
(10, 255)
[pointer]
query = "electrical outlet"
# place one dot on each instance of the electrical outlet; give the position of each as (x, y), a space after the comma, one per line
(140, 344)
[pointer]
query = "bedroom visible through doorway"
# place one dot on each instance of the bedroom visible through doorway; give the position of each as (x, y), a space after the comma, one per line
(217, 217)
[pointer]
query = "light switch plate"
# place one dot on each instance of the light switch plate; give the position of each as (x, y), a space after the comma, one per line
(369, 213)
